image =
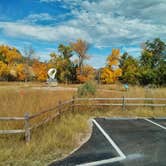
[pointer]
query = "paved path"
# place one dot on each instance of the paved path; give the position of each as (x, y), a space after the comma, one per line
(122, 142)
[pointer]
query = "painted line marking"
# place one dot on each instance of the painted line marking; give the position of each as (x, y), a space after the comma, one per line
(109, 139)
(111, 160)
(106, 161)
(161, 126)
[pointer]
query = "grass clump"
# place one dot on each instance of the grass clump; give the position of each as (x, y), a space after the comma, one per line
(87, 89)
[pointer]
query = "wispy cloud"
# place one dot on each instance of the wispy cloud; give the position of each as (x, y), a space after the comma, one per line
(32, 18)
(103, 23)
(46, 33)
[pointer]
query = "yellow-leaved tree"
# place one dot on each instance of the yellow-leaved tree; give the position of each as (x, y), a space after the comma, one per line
(111, 72)
(9, 58)
(40, 70)
(3, 69)
(9, 54)
(20, 70)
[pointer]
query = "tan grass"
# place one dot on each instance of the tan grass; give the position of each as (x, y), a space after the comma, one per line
(58, 138)
(15, 102)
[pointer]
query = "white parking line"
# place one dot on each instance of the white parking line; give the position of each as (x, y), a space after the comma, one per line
(106, 161)
(95, 163)
(109, 139)
(155, 123)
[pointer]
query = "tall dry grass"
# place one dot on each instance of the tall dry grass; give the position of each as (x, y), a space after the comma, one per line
(56, 139)
(52, 141)
(133, 91)
(60, 136)
(15, 102)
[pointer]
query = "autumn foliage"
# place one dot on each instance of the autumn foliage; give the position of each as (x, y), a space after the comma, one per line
(86, 74)
(3, 69)
(9, 54)
(9, 57)
(70, 62)
(40, 70)
(20, 70)
(111, 72)
(14, 67)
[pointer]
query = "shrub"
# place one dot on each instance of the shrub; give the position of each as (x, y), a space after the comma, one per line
(87, 89)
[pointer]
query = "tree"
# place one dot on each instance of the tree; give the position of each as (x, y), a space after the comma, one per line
(130, 69)
(40, 70)
(21, 73)
(9, 54)
(9, 57)
(157, 51)
(65, 51)
(111, 72)
(88, 73)
(153, 59)
(161, 73)
(66, 69)
(81, 48)
(4, 70)
(28, 53)
(28, 61)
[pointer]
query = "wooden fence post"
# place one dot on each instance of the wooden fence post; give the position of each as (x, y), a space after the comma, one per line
(59, 108)
(27, 128)
(123, 104)
(73, 102)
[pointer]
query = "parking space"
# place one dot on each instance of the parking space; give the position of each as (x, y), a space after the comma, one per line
(122, 142)
(160, 121)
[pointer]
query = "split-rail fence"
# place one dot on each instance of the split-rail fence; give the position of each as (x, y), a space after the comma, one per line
(78, 102)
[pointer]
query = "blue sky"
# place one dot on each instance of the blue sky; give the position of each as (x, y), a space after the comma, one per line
(104, 24)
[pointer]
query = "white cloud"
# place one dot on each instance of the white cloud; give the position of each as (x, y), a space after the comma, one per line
(103, 23)
(46, 33)
(38, 17)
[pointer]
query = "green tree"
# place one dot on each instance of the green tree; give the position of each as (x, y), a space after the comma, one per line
(158, 50)
(65, 51)
(152, 63)
(130, 69)
(161, 73)
(66, 69)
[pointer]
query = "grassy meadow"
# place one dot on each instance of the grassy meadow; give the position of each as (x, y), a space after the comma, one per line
(59, 137)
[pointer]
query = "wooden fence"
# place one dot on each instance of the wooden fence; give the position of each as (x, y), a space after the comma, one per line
(78, 102)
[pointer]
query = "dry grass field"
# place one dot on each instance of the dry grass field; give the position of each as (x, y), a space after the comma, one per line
(59, 137)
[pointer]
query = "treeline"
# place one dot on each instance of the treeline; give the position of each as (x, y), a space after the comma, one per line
(149, 68)
(17, 67)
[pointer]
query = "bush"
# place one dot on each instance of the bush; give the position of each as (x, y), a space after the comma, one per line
(87, 89)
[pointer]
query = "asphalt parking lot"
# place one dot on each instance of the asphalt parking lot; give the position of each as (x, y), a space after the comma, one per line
(122, 142)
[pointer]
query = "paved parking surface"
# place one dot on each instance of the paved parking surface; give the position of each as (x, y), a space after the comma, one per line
(160, 121)
(122, 142)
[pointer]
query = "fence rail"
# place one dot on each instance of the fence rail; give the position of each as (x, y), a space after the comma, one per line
(127, 104)
(11, 118)
(75, 102)
(12, 131)
(93, 99)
